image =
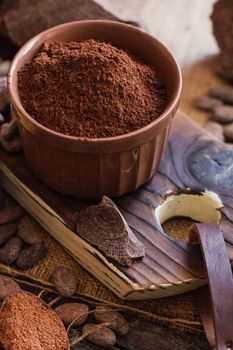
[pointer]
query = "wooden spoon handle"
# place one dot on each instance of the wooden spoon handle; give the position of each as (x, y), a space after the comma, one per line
(216, 302)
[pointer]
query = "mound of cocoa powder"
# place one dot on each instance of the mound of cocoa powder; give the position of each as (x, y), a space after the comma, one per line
(91, 89)
(26, 323)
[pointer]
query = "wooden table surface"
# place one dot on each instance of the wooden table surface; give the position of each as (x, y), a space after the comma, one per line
(185, 28)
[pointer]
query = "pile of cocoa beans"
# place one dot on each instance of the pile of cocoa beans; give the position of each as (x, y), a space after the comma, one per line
(21, 241)
(219, 103)
(84, 321)
(9, 133)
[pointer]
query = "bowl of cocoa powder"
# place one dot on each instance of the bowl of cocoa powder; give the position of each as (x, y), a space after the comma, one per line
(94, 102)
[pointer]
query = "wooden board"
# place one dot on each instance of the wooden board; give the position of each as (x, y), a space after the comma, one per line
(194, 162)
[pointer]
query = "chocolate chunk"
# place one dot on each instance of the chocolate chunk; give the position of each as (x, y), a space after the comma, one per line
(103, 226)
(228, 132)
(7, 287)
(7, 232)
(10, 130)
(10, 212)
(116, 321)
(30, 231)
(103, 336)
(215, 129)
(207, 103)
(71, 312)
(30, 256)
(223, 114)
(222, 92)
(12, 146)
(65, 281)
(10, 251)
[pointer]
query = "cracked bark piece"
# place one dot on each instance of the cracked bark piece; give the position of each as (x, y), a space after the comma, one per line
(103, 226)
(10, 212)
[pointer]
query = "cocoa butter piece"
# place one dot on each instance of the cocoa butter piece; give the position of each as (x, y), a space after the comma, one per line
(13, 146)
(228, 132)
(30, 256)
(64, 281)
(7, 287)
(4, 67)
(29, 231)
(10, 130)
(10, 212)
(72, 312)
(116, 321)
(215, 129)
(223, 114)
(103, 336)
(222, 92)
(207, 103)
(7, 232)
(10, 251)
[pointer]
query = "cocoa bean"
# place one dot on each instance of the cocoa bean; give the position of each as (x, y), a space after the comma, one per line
(29, 231)
(10, 212)
(116, 321)
(223, 114)
(228, 132)
(7, 232)
(12, 146)
(10, 130)
(65, 281)
(71, 312)
(7, 287)
(104, 336)
(215, 129)
(4, 96)
(4, 67)
(30, 256)
(222, 92)
(10, 251)
(207, 103)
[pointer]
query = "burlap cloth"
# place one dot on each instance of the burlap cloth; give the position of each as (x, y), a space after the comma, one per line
(178, 312)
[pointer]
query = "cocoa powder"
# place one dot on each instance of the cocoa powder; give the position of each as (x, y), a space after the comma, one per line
(91, 89)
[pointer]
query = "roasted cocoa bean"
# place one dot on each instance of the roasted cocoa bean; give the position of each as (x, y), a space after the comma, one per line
(13, 146)
(104, 336)
(4, 67)
(207, 103)
(4, 97)
(116, 321)
(222, 92)
(228, 132)
(10, 251)
(29, 231)
(215, 129)
(7, 232)
(72, 312)
(10, 212)
(30, 256)
(10, 130)
(223, 114)
(65, 281)
(7, 287)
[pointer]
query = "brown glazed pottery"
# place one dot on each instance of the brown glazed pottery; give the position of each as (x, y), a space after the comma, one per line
(90, 168)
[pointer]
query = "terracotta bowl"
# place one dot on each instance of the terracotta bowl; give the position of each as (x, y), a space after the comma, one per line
(90, 168)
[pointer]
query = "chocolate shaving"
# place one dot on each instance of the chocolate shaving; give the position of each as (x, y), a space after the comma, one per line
(103, 226)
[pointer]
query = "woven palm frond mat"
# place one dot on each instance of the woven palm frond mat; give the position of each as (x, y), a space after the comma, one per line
(178, 312)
